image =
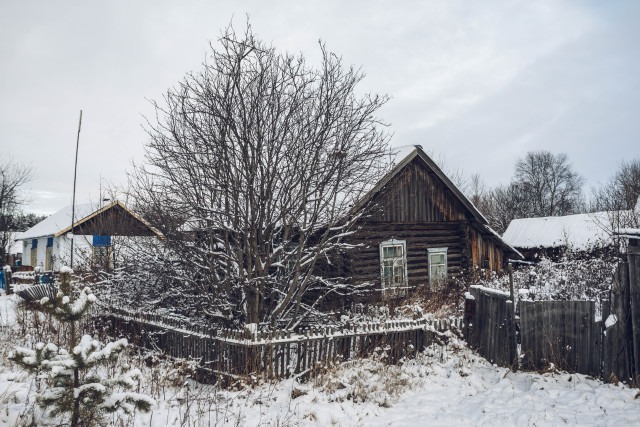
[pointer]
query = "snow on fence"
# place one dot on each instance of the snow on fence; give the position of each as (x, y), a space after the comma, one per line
(490, 325)
(280, 353)
(566, 334)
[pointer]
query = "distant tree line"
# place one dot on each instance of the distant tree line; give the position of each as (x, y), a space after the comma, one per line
(13, 176)
(546, 184)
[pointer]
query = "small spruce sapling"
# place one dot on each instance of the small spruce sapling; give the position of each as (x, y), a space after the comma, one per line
(77, 387)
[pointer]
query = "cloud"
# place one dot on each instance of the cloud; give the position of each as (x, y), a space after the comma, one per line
(480, 81)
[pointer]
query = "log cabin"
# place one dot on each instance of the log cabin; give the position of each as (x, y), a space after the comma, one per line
(418, 229)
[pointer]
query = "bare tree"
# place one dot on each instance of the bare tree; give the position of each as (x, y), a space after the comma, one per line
(550, 183)
(252, 165)
(543, 184)
(620, 197)
(478, 192)
(503, 204)
(12, 177)
(622, 190)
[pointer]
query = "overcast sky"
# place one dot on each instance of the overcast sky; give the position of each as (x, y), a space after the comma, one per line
(480, 83)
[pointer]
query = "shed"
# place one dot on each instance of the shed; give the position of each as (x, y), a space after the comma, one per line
(48, 243)
(580, 232)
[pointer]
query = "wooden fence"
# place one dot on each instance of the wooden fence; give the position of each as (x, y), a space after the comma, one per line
(621, 348)
(490, 326)
(276, 354)
(564, 333)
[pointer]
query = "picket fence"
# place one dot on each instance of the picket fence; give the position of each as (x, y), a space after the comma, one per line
(224, 353)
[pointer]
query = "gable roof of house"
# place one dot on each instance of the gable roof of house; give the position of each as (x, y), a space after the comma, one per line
(55, 222)
(579, 232)
(402, 159)
(60, 222)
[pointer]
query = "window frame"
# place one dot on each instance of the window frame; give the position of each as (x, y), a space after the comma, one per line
(433, 252)
(400, 288)
(34, 253)
(102, 243)
(48, 255)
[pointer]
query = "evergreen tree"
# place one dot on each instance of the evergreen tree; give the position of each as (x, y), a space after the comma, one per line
(77, 388)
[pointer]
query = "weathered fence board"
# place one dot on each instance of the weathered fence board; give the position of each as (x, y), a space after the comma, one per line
(490, 326)
(621, 348)
(277, 354)
(633, 258)
(564, 333)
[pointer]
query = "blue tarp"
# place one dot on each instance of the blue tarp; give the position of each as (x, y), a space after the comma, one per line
(2, 285)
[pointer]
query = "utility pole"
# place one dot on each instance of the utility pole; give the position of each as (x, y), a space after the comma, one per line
(73, 203)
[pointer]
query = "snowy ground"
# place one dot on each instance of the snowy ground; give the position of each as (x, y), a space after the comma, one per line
(446, 385)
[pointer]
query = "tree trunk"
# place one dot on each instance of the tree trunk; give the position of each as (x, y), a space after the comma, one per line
(253, 302)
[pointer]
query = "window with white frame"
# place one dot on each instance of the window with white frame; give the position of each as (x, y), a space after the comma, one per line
(393, 264)
(437, 264)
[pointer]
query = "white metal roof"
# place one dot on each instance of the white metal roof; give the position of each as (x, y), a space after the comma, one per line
(580, 231)
(57, 222)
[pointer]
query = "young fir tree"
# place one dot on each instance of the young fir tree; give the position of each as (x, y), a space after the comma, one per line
(77, 387)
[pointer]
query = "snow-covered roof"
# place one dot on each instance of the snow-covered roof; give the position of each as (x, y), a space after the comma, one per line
(580, 231)
(57, 222)
(60, 222)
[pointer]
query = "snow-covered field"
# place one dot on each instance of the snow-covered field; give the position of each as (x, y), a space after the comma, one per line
(446, 385)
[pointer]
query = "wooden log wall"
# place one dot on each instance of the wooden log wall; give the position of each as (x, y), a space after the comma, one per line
(489, 326)
(363, 263)
(416, 206)
(485, 252)
(278, 354)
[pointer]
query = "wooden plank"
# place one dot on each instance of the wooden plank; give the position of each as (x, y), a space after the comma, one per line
(633, 260)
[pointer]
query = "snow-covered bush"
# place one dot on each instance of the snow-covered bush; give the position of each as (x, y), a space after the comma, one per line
(573, 277)
(74, 384)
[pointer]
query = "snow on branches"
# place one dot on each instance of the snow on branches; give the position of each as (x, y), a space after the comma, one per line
(76, 380)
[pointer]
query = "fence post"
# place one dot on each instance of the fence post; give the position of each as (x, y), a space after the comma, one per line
(633, 257)
(471, 310)
(512, 345)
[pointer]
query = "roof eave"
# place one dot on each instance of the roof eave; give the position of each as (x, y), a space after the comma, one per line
(105, 208)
